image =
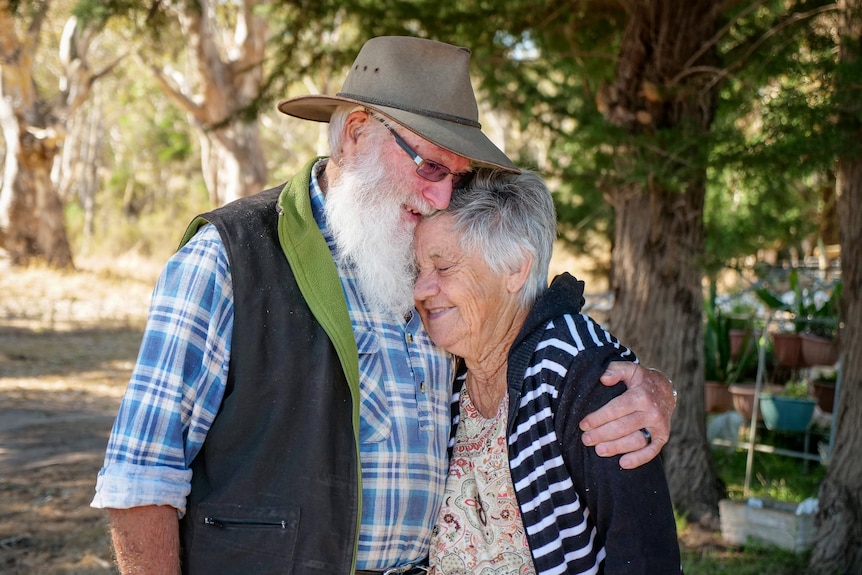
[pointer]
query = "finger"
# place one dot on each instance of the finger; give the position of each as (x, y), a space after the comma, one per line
(646, 435)
(655, 383)
(634, 449)
(619, 432)
(639, 457)
(623, 416)
(622, 407)
(618, 371)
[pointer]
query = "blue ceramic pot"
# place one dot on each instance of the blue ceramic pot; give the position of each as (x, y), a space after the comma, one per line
(786, 413)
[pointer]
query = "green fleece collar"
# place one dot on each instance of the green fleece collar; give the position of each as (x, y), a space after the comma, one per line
(315, 272)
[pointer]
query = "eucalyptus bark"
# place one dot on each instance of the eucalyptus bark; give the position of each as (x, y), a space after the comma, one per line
(228, 78)
(32, 220)
(839, 520)
(32, 224)
(660, 87)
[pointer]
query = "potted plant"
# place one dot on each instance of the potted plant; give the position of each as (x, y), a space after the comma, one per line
(723, 367)
(819, 340)
(823, 388)
(742, 395)
(812, 337)
(788, 410)
(741, 331)
(786, 345)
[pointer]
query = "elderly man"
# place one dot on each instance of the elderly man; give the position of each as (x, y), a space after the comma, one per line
(288, 413)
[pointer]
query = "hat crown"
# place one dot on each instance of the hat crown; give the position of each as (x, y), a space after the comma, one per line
(416, 75)
(423, 85)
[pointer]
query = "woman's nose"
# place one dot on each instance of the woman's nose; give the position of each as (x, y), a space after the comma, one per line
(423, 288)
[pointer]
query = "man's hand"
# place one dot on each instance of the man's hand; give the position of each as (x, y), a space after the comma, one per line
(648, 404)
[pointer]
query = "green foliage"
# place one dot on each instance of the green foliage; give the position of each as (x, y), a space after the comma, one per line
(769, 151)
(827, 376)
(545, 63)
(774, 143)
(719, 363)
(773, 476)
(752, 560)
(795, 389)
(152, 184)
(103, 10)
(807, 313)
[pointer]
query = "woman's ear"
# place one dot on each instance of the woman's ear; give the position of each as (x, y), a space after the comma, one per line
(518, 277)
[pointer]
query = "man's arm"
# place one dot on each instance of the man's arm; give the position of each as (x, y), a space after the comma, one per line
(146, 540)
(647, 403)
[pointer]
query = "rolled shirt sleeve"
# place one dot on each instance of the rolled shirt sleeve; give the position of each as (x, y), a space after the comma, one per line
(177, 384)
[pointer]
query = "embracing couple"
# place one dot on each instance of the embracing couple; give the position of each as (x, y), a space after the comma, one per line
(316, 392)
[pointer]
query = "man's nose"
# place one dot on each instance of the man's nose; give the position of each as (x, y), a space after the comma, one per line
(439, 193)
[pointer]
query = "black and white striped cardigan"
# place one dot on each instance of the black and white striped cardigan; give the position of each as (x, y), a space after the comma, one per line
(582, 512)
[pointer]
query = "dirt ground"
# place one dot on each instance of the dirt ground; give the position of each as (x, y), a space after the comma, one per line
(67, 345)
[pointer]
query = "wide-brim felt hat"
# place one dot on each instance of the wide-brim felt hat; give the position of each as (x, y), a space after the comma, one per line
(424, 85)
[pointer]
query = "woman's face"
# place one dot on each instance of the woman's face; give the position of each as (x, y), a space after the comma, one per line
(465, 306)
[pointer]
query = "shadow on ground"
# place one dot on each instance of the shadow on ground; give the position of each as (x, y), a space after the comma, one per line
(60, 391)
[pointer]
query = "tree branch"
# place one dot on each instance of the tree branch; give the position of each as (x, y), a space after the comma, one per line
(174, 94)
(794, 18)
(686, 69)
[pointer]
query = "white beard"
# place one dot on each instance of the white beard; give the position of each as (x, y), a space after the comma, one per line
(364, 212)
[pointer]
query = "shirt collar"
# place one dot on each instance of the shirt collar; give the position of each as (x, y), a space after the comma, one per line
(318, 200)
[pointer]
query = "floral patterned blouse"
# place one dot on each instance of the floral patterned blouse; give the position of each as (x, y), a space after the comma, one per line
(479, 529)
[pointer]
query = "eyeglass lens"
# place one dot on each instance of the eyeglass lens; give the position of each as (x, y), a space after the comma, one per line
(429, 169)
(435, 172)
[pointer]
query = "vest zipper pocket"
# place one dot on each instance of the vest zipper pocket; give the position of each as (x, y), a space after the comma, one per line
(227, 523)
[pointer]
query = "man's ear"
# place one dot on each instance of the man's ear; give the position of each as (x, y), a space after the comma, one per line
(356, 123)
(518, 277)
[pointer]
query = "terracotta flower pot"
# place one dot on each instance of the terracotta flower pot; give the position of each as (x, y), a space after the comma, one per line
(817, 350)
(738, 338)
(788, 349)
(824, 393)
(718, 397)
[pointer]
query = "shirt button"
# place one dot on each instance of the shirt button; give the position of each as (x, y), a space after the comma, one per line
(409, 338)
(422, 386)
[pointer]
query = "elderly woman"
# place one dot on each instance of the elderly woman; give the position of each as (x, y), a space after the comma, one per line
(524, 495)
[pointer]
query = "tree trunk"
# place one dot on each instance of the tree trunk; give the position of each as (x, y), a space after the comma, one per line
(33, 213)
(659, 234)
(32, 224)
(839, 536)
(232, 158)
(233, 161)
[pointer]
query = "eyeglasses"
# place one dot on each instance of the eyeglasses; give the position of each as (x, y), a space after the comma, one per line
(431, 171)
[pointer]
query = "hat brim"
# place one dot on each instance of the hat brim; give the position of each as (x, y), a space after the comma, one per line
(461, 139)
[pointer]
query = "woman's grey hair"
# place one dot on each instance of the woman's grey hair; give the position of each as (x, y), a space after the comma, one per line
(507, 217)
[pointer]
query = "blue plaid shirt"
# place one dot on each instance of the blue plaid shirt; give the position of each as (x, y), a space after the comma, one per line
(179, 379)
